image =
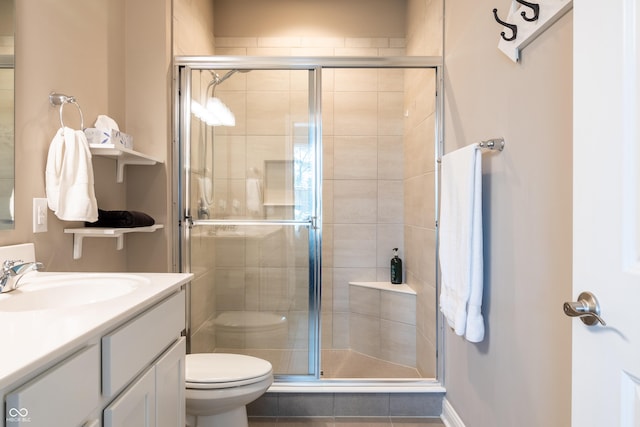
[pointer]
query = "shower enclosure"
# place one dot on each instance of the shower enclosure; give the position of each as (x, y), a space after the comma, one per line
(292, 193)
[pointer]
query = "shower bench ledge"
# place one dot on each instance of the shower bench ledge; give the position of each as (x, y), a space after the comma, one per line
(386, 286)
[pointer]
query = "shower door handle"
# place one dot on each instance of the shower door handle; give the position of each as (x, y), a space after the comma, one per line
(586, 308)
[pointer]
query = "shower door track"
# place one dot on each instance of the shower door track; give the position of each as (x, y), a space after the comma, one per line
(292, 63)
(292, 383)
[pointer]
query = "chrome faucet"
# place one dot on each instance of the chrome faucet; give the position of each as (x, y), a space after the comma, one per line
(12, 272)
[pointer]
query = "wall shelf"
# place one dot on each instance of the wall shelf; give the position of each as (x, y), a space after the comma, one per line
(118, 233)
(122, 156)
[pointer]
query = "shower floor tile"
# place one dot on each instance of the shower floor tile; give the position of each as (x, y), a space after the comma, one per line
(344, 422)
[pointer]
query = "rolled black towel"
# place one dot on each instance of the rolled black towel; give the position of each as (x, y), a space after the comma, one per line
(121, 219)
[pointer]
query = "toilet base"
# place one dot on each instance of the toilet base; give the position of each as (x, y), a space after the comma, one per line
(234, 418)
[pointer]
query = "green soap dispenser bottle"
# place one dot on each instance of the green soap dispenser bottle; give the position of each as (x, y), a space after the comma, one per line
(396, 268)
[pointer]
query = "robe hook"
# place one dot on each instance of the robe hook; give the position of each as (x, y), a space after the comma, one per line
(512, 27)
(534, 6)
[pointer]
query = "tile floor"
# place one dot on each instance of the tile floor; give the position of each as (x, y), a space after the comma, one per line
(344, 422)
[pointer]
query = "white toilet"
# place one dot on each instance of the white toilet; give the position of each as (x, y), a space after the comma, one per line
(220, 385)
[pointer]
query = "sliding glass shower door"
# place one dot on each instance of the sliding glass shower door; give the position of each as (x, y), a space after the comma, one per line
(249, 184)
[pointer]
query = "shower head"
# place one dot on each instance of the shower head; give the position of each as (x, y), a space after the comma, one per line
(217, 79)
(215, 112)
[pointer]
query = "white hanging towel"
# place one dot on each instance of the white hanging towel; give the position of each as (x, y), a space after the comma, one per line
(254, 196)
(69, 177)
(461, 261)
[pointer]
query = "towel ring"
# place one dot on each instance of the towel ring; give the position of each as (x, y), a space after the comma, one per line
(61, 100)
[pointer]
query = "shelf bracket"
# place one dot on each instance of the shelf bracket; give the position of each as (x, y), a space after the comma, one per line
(78, 238)
(123, 157)
(77, 246)
(121, 163)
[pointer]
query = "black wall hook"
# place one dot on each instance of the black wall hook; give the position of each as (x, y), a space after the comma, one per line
(512, 27)
(534, 6)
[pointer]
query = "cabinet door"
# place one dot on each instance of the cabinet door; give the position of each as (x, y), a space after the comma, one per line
(63, 396)
(170, 387)
(136, 406)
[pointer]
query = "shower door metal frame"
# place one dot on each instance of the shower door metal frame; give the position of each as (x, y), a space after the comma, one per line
(183, 65)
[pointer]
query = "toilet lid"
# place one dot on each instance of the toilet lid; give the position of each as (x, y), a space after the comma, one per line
(224, 368)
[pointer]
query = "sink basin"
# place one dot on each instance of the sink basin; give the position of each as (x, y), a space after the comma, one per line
(47, 291)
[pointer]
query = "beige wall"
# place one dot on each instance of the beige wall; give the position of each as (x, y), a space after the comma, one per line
(148, 95)
(311, 18)
(424, 27)
(193, 30)
(520, 375)
(113, 66)
(48, 48)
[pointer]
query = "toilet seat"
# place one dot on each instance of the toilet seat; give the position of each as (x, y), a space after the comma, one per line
(223, 370)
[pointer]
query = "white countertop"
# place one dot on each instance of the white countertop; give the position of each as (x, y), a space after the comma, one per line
(32, 339)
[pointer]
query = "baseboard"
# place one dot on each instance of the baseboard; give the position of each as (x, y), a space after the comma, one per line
(450, 417)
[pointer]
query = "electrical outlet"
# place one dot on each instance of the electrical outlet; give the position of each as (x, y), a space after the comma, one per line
(40, 212)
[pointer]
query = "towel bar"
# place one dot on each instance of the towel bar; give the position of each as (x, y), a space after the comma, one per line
(492, 144)
(60, 99)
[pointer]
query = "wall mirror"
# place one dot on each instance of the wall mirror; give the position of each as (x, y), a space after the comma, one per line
(7, 42)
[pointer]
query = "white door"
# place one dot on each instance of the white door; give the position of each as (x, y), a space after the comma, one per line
(606, 249)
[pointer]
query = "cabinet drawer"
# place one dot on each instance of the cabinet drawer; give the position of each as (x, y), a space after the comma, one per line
(63, 396)
(132, 347)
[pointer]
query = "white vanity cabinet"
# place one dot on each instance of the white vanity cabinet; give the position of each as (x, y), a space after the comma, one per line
(128, 351)
(132, 375)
